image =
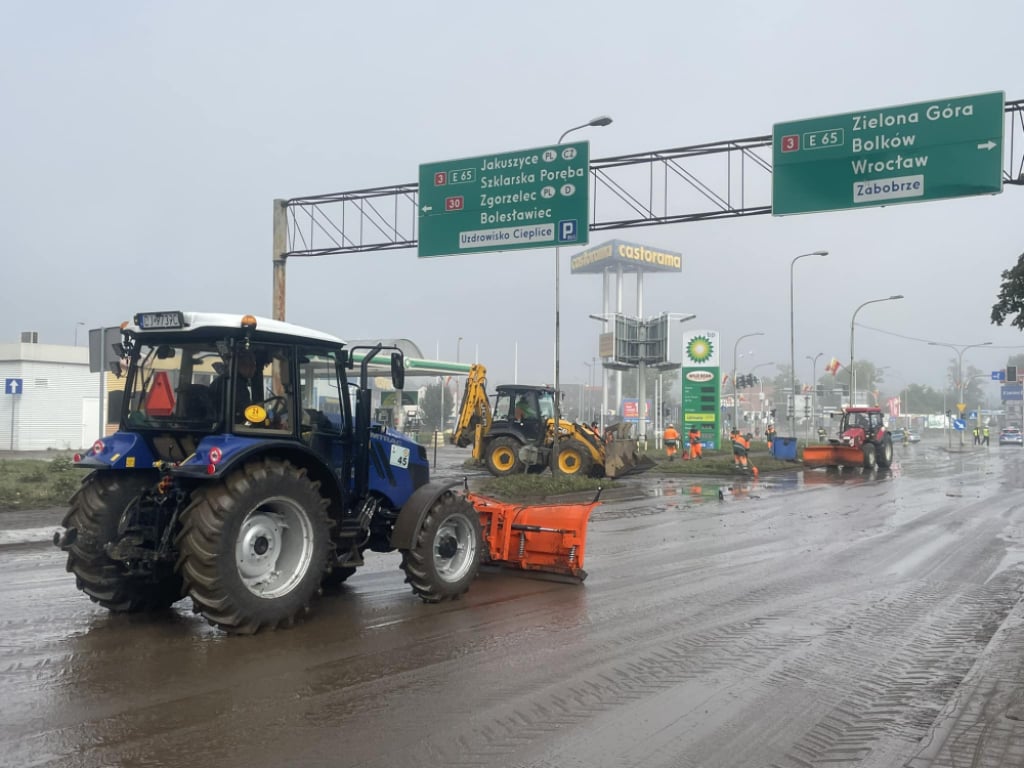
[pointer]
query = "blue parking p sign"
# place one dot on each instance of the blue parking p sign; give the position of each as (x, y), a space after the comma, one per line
(13, 386)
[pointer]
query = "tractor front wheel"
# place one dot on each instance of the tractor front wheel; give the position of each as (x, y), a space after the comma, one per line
(254, 548)
(869, 455)
(445, 556)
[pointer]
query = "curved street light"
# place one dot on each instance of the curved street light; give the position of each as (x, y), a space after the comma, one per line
(853, 371)
(760, 390)
(792, 353)
(959, 368)
(735, 395)
(597, 122)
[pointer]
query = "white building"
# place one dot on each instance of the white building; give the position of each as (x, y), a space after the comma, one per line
(49, 399)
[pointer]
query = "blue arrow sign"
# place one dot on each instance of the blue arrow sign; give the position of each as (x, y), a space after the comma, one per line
(13, 386)
(959, 424)
(998, 375)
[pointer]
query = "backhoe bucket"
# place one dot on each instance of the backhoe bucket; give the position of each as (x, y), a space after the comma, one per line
(545, 538)
(622, 458)
(621, 455)
(832, 455)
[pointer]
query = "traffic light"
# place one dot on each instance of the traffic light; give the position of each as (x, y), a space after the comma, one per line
(773, 413)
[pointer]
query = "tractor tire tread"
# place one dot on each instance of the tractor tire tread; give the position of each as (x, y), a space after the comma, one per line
(94, 512)
(209, 571)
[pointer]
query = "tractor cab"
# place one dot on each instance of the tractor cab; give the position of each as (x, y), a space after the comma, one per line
(183, 387)
(861, 424)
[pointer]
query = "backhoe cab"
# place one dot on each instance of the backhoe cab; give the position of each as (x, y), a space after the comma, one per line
(517, 435)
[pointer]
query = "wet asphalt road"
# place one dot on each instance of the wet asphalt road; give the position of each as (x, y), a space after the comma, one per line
(804, 620)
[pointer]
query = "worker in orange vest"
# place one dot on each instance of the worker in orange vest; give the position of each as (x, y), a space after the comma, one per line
(740, 446)
(671, 441)
(769, 434)
(696, 449)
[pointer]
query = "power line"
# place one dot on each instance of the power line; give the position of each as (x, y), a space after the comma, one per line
(928, 341)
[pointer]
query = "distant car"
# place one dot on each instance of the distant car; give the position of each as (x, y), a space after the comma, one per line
(907, 435)
(1011, 436)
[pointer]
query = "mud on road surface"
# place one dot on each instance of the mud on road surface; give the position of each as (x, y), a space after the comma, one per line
(862, 620)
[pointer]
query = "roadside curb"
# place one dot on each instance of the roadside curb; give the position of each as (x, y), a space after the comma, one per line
(26, 536)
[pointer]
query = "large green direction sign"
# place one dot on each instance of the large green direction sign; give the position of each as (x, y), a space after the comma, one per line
(528, 199)
(904, 154)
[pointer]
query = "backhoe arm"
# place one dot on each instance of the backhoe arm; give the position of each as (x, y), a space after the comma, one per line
(475, 415)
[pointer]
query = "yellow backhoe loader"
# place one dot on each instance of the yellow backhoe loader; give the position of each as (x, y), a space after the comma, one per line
(518, 434)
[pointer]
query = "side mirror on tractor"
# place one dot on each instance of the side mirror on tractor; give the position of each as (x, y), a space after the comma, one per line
(397, 370)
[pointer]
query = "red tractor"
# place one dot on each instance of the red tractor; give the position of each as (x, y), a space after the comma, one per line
(863, 442)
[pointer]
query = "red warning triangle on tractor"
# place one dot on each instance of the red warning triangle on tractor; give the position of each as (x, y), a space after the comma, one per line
(160, 399)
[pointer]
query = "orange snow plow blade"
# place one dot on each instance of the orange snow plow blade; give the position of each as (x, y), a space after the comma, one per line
(547, 538)
(832, 455)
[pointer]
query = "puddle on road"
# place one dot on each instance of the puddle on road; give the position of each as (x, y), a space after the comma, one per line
(719, 489)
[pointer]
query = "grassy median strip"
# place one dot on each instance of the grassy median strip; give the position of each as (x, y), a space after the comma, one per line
(37, 483)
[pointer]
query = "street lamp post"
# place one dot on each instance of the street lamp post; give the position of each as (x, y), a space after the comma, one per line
(591, 369)
(792, 352)
(604, 376)
(455, 415)
(660, 414)
(814, 388)
(959, 368)
(853, 371)
(78, 323)
(760, 392)
(735, 395)
(597, 122)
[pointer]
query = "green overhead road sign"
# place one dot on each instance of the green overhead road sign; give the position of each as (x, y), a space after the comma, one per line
(532, 198)
(903, 154)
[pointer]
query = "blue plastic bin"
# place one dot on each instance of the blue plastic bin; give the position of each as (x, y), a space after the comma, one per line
(784, 448)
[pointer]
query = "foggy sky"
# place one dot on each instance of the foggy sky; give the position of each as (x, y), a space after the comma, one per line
(143, 144)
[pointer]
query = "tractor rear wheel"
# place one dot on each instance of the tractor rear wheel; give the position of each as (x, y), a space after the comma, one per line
(445, 556)
(885, 453)
(503, 457)
(92, 523)
(573, 459)
(869, 455)
(254, 547)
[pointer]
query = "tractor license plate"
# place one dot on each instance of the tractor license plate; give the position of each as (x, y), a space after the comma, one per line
(152, 320)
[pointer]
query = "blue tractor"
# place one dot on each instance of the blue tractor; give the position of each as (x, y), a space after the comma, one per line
(247, 474)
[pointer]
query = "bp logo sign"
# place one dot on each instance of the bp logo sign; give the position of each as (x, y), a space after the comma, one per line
(700, 350)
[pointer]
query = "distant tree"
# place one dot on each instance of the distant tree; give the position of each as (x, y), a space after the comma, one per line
(920, 398)
(430, 403)
(1011, 297)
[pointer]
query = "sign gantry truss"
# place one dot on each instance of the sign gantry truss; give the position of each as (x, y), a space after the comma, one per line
(717, 180)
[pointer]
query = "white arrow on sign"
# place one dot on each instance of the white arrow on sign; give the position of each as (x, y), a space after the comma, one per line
(12, 386)
(428, 208)
(987, 145)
